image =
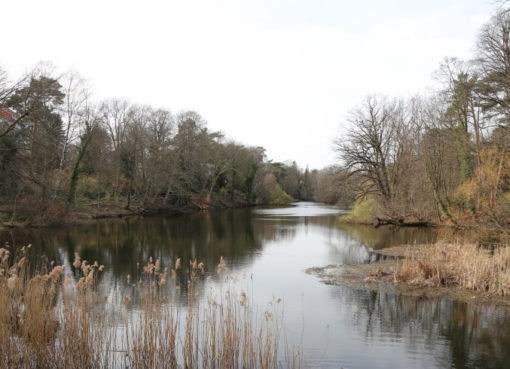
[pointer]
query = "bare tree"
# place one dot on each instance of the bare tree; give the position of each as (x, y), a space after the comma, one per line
(369, 146)
(115, 119)
(88, 121)
(77, 95)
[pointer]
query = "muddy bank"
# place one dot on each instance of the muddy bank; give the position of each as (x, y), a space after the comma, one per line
(380, 276)
(194, 205)
(92, 212)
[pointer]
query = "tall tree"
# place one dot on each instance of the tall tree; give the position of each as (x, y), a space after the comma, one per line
(41, 98)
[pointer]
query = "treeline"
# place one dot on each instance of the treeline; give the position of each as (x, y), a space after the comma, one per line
(62, 151)
(444, 157)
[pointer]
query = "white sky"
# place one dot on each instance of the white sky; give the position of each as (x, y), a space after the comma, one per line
(275, 73)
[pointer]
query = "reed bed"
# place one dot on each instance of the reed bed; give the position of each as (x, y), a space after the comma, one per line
(464, 265)
(55, 319)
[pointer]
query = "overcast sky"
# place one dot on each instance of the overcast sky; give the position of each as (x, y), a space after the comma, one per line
(275, 73)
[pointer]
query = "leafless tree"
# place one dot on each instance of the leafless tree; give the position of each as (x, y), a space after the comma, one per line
(369, 148)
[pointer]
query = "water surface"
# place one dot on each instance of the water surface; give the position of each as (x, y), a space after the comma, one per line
(267, 251)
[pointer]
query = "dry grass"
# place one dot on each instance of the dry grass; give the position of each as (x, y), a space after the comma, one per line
(465, 265)
(50, 320)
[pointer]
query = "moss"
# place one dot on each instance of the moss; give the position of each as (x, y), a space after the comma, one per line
(363, 212)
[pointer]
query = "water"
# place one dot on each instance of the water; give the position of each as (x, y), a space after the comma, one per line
(267, 251)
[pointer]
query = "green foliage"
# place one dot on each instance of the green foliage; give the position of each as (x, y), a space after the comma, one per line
(90, 188)
(363, 212)
(280, 197)
(293, 180)
(268, 190)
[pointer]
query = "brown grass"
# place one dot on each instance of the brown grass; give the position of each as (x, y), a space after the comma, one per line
(49, 321)
(464, 265)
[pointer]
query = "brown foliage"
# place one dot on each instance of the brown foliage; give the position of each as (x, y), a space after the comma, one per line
(468, 266)
(48, 321)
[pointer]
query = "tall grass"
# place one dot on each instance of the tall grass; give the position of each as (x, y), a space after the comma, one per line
(465, 265)
(50, 320)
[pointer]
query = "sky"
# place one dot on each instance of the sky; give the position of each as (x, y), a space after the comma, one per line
(281, 74)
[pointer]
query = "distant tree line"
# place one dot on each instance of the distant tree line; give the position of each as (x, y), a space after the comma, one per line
(61, 151)
(443, 157)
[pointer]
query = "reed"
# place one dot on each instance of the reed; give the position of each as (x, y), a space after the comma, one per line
(464, 265)
(50, 320)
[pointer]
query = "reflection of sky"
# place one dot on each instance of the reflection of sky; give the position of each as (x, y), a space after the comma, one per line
(302, 209)
(329, 337)
(338, 326)
(267, 251)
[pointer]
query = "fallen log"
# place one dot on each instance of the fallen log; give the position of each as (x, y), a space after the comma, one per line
(401, 222)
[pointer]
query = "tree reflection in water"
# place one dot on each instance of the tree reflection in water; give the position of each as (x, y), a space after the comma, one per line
(460, 334)
(365, 326)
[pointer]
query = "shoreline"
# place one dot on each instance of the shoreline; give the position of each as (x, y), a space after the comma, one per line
(380, 276)
(377, 224)
(91, 214)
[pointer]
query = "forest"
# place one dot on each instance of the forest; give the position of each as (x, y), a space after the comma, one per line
(441, 157)
(61, 152)
(436, 158)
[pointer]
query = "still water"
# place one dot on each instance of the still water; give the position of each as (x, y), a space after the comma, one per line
(267, 251)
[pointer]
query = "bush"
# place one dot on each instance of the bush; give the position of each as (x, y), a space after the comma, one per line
(268, 191)
(89, 187)
(39, 212)
(363, 212)
(280, 197)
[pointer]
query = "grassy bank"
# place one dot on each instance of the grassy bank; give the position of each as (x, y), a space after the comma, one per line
(56, 319)
(369, 212)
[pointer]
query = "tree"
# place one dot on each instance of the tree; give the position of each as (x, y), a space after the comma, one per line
(190, 152)
(160, 129)
(89, 122)
(494, 63)
(115, 119)
(370, 147)
(333, 185)
(40, 101)
(463, 113)
(268, 190)
(292, 180)
(75, 102)
(7, 89)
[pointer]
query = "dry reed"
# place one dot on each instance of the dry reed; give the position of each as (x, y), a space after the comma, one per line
(48, 321)
(464, 265)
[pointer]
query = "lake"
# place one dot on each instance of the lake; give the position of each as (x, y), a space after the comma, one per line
(266, 251)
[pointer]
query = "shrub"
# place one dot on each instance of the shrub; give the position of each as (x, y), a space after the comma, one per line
(363, 212)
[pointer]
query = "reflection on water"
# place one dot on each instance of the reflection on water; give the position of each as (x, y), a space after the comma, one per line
(444, 332)
(267, 250)
(387, 236)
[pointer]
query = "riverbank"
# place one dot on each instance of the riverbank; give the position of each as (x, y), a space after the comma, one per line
(379, 222)
(462, 272)
(117, 209)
